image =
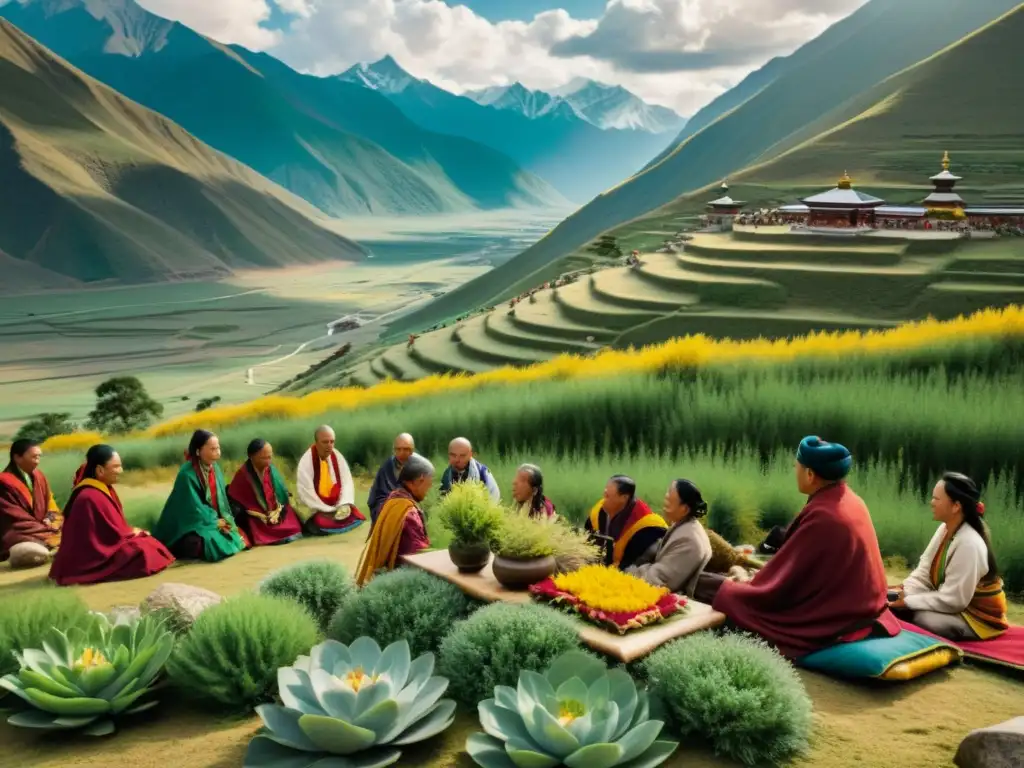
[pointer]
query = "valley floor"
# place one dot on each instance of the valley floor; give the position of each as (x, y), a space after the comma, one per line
(908, 725)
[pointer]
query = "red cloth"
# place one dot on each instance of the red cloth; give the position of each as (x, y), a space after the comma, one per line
(825, 585)
(100, 545)
(249, 494)
(1006, 650)
(24, 515)
(332, 498)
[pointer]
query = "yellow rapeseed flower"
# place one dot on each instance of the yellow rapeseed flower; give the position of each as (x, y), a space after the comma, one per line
(609, 589)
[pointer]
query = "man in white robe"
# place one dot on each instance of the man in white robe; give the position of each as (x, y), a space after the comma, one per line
(325, 487)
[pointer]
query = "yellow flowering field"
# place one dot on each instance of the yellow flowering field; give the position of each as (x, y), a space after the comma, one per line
(687, 352)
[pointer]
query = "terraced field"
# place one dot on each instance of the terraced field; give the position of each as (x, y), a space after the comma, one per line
(744, 284)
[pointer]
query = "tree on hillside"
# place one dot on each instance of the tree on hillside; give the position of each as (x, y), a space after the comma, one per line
(45, 426)
(122, 405)
(606, 246)
(207, 402)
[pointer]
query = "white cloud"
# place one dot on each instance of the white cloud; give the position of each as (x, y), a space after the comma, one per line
(680, 53)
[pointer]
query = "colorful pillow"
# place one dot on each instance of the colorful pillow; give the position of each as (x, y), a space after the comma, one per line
(904, 657)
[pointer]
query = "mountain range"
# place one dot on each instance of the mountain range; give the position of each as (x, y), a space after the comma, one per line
(557, 136)
(343, 147)
(99, 188)
(850, 99)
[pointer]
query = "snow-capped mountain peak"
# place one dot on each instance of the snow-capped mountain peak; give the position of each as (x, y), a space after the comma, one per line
(385, 75)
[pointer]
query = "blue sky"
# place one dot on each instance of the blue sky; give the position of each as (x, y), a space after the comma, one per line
(524, 10)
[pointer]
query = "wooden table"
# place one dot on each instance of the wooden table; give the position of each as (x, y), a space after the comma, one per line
(633, 645)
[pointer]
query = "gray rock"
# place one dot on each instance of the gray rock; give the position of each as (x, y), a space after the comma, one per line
(179, 604)
(999, 746)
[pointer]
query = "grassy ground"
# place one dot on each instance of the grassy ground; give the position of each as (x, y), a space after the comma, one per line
(913, 725)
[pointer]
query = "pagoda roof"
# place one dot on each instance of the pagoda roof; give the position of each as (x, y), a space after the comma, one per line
(727, 202)
(943, 197)
(945, 175)
(844, 195)
(900, 210)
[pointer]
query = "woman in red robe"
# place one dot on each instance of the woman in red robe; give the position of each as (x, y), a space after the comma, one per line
(30, 520)
(826, 585)
(259, 499)
(98, 543)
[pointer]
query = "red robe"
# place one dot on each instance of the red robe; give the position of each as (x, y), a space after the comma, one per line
(100, 545)
(27, 516)
(252, 497)
(825, 585)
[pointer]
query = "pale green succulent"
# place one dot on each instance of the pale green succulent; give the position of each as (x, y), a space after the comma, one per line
(351, 707)
(578, 713)
(84, 678)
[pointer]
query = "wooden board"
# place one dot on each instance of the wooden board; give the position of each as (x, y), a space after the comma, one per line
(633, 645)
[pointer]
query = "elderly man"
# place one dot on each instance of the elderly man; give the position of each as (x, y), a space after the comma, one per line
(463, 467)
(387, 476)
(401, 527)
(625, 522)
(325, 487)
(826, 585)
(30, 520)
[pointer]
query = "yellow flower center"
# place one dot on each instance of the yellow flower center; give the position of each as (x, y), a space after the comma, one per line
(357, 678)
(569, 710)
(609, 589)
(90, 658)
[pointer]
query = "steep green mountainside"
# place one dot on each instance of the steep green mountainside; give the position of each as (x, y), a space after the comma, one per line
(881, 39)
(97, 188)
(343, 148)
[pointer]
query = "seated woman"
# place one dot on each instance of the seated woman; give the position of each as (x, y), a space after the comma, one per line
(259, 499)
(528, 492)
(679, 558)
(401, 527)
(99, 545)
(196, 522)
(30, 520)
(955, 591)
(624, 523)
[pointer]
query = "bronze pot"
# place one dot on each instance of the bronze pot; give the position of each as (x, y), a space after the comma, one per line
(471, 558)
(520, 574)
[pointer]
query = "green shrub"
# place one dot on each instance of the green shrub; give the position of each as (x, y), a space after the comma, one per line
(319, 586)
(470, 514)
(407, 604)
(496, 643)
(736, 692)
(25, 619)
(231, 656)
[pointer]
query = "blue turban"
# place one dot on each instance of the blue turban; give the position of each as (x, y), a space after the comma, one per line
(830, 461)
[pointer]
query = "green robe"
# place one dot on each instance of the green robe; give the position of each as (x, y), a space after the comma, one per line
(188, 510)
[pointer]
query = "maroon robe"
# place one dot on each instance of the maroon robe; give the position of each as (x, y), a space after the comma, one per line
(252, 497)
(825, 585)
(414, 531)
(100, 545)
(27, 516)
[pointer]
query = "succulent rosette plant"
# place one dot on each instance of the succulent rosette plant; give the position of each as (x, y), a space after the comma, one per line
(606, 596)
(351, 707)
(578, 713)
(86, 678)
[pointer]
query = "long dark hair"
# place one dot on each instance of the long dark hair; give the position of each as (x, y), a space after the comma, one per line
(96, 457)
(689, 494)
(536, 478)
(255, 446)
(199, 438)
(961, 489)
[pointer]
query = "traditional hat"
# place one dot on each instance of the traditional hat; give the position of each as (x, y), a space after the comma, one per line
(830, 461)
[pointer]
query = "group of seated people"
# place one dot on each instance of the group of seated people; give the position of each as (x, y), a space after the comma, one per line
(824, 585)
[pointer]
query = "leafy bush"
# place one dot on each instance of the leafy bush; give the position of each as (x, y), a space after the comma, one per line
(736, 692)
(470, 514)
(523, 537)
(232, 654)
(496, 643)
(407, 604)
(319, 586)
(44, 426)
(25, 620)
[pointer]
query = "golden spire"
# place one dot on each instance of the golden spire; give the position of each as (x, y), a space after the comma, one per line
(845, 182)
(945, 160)
(725, 185)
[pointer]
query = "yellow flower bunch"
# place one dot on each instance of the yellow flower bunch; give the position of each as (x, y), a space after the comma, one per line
(609, 589)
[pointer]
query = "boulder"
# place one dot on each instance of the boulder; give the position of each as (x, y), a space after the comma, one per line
(999, 746)
(180, 604)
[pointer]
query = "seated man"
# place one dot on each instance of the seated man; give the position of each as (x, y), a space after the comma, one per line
(826, 585)
(325, 486)
(625, 522)
(462, 467)
(387, 476)
(30, 520)
(400, 528)
(259, 499)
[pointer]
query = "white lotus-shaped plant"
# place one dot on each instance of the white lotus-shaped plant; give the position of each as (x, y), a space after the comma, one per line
(578, 714)
(354, 702)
